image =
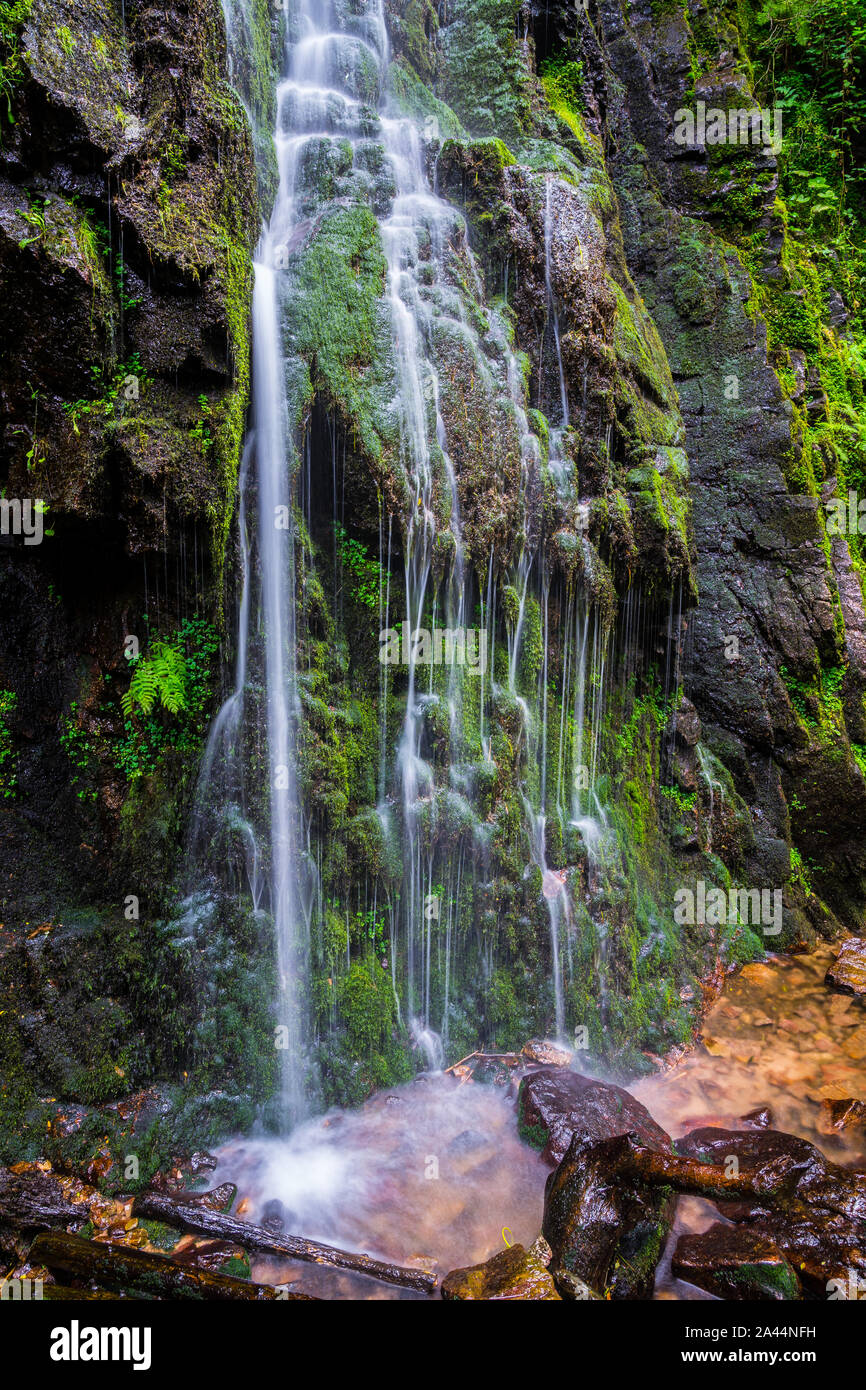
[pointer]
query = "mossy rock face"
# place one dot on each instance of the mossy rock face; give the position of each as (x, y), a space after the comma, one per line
(189, 999)
(128, 215)
(481, 72)
(738, 307)
(413, 26)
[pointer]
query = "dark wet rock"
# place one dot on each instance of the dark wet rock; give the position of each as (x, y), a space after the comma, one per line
(765, 577)
(467, 1142)
(737, 1263)
(491, 1071)
(573, 1290)
(513, 1274)
(848, 973)
(540, 1250)
(604, 1225)
(213, 1255)
(686, 723)
(762, 1118)
(813, 1209)
(838, 1115)
(218, 1198)
(554, 1105)
(201, 1162)
(274, 1216)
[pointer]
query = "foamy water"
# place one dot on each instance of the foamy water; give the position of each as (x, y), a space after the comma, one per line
(434, 1173)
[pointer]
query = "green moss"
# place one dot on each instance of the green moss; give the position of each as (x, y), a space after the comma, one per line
(13, 16)
(8, 758)
(536, 1136)
(334, 319)
(415, 98)
(482, 74)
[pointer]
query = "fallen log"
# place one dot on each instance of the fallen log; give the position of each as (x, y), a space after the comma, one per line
(35, 1201)
(64, 1293)
(193, 1216)
(139, 1273)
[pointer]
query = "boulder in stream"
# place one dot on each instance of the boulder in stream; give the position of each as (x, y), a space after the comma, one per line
(554, 1105)
(847, 974)
(785, 1189)
(606, 1227)
(735, 1263)
(514, 1274)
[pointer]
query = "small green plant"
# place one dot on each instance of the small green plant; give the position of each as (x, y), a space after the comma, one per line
(167, 704)
(372, 928)
(364, 575)
(65, 39)
(116, 391)
(121, 272)
(562, 78)
(13, 15)
(8, 761)
(685, 802)
(35, 215)
(201, 430)
(158, 676)
(80, 748)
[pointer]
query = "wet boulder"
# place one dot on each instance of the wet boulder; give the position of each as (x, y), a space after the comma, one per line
(735, 1263)
(555, 1104)
(774, 1167)
(515, 1274)
(838, 1115)
(547, 1054)
(848, 972)
(787, 1191)
(605, 1225)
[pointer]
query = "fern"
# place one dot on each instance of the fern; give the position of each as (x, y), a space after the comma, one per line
(159, 675)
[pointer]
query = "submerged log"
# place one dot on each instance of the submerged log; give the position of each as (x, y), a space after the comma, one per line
(139, 1272)
(193, 1216)
(35, 1201)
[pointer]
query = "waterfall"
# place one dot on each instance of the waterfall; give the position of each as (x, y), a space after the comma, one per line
(331, 106)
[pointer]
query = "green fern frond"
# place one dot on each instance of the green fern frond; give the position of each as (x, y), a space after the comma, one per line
(159, 675)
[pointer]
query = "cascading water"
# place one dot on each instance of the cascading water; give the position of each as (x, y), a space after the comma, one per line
(334, 113)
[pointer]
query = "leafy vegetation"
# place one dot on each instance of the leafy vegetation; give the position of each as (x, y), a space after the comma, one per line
(167, 703)
(562, 77)
(811, 59)
(13, 15)
(363, 574)
(159, 676)
(81, 749)
(126, 383)
(8, 763)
